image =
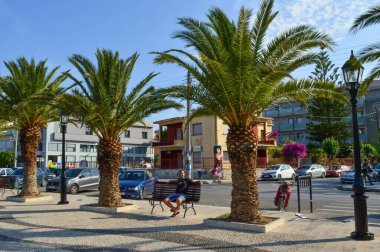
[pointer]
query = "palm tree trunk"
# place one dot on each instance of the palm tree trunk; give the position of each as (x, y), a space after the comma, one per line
(29, 138)
(109, 158)
(242, 149)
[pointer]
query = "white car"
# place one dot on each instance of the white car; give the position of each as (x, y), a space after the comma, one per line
(5, 171)
(280, 171)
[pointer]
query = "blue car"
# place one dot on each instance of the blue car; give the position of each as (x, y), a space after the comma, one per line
(348, 177)
(19, 174)
(136, 183)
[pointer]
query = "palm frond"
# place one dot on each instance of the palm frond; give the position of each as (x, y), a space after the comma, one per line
(371, 17)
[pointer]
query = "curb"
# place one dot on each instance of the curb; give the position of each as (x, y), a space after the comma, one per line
(349, 188)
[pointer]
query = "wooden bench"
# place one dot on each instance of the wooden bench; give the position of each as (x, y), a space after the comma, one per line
(164, 189)
(6, 183)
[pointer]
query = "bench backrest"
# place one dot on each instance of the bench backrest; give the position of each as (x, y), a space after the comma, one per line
(164, 189)
(5, 182)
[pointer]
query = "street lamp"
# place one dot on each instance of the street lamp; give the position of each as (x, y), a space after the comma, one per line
(352, 74)
(64, 118)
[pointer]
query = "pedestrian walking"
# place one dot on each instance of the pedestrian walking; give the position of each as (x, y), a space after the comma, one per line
(366, 169)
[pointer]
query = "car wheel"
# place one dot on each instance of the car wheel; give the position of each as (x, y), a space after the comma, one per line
(323, 175)
(141, 196)
(279, 177)
(74, 189)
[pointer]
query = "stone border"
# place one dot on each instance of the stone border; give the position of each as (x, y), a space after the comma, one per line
(31, 199)
(244, 226)
(109, 210)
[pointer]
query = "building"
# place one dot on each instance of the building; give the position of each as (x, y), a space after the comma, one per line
(206, 132)
(289, 118)
(372, 108)
(81, 146)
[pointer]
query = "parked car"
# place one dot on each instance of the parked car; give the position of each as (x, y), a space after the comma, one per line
(313, 170)
(337, 170)
(5, 171)
(19, 174)
(348, 177)
(47, 173)
(136, 183)
(77, 179)
(376, 168)
(280, 171)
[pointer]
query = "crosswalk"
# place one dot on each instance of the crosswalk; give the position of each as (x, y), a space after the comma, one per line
(346, 208)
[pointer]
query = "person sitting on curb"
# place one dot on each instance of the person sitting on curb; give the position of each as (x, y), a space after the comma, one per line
(180, 193)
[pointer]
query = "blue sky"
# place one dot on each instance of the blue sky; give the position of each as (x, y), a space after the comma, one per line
(57, 29)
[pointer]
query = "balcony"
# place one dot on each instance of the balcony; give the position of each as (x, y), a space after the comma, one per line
(271, 113)
(265, 141)
(175, 142)
(300, 126)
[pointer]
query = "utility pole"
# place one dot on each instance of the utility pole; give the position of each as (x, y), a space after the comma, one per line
(188, 164)
(15, 149)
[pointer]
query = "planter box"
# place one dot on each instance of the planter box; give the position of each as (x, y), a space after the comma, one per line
(30, 199)
(109, 210)
(244, 226)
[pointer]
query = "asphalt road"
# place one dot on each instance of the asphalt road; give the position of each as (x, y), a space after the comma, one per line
(328, 202)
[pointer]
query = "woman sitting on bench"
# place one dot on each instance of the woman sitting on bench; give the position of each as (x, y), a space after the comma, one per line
(180, 193)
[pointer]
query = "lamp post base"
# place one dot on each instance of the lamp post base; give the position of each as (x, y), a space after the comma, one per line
(63, 202)
(362, 236)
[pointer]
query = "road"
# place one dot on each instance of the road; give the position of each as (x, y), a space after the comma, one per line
(328, 202)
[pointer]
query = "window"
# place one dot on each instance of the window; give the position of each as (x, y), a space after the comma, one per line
(88, 148)
(70, 147)
(225, 129)
(144, 135)
(54, 147)
(164, 132)
(128, 149)
(140, 150)
(179, 133)
(226, 157)
(299, 119)
(197, 157)
(70, 159)
(88, 131)
(290, 120)
(127, 134)
(149, 150)
(40, 147)
(197, 129)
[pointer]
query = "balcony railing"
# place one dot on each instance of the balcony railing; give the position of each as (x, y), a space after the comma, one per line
(267, 141)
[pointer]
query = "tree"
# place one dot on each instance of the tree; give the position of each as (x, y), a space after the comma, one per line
(370, 53)
(26, 101)
(331, 147)
(240, 75)
(318, 155)
(6, 158)
(368, 151)
(326, 115)
(104, 105)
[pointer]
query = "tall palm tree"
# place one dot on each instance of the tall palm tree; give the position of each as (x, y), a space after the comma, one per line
(240, 75)
(26, 101)
(370, 53)
(104, 104)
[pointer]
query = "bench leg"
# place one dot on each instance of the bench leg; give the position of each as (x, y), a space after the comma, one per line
(192, 206)
(2, 191)
(186, 208)
(153, 204)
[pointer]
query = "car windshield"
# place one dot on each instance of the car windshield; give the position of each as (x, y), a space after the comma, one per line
(274, 167)
(72, 173)
(18, 172)
(335, 167)
(304, 167)
(132, 175)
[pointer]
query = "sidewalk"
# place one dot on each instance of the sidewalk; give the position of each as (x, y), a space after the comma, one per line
(48, 226)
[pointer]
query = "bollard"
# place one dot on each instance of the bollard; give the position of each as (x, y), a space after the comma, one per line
(17, 186)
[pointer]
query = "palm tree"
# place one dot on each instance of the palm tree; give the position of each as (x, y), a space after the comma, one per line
(370, 53)
(26, 101)
(240, 75)
(103, 104)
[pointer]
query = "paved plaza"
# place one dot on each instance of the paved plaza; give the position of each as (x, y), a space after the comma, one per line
(46, 226)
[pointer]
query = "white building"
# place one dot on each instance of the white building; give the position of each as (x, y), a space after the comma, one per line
(81, 145)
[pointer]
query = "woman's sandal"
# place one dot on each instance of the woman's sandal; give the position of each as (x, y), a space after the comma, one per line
(175, 214)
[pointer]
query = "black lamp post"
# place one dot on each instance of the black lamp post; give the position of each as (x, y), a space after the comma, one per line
(352, 73)
(64, 118)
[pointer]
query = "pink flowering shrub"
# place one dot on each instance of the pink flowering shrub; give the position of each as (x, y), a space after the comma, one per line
(294, 150)
(273, 134)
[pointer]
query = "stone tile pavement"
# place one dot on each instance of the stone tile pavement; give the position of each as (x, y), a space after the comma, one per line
(46, 226)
